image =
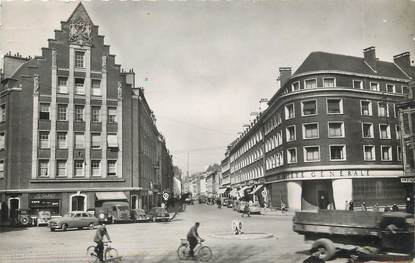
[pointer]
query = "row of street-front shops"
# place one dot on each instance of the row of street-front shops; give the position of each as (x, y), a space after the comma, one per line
(313, 190)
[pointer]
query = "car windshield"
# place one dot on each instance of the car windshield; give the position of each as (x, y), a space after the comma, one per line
(123, 208)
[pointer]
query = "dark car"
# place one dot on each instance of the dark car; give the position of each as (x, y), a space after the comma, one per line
(139, 216)
(159, 214)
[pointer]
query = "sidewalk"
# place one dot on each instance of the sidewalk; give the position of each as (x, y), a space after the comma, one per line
(274, 212)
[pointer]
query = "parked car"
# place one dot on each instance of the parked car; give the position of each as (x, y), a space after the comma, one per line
(43, 218)
(159, 214)
(73, 220)
(23, 218)
(255, 208)
(139, 216)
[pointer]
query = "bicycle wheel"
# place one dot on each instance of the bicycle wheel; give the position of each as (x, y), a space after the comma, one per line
(205, 254)
(92, 256)
(181, 252)
(111, 254)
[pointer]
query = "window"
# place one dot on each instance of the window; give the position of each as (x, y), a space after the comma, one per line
(43, 168)
(367, 130)
(96, 168)
(366, 107)
(399, 153)
(79, 168)
(390, 88)
(95, 114)
(295, 86)
(310, 131)
(310, 83)
(1, 168)
(336, 129)
(3, 112)
(384, 131)
(61, 168)
(289, 111)
(383, 109)
(112, 115)
(62, 112)
(398, 132)
(62, 144)
(386, 153)
(337, 152)
(334, 106)
(79, 140)
(112, 168)
(311, 153)
(405, 90)
(44, 139)
(374, 86)
(369, 153)
(292, 155)
(329, 82)
(79, 86)
(78, 203)
(112, 141)
(79, 59)
(44, 111)
(62, 85)
(309, 107)
(290, 133)
(357, 84)
(2, 141)
(79, 113)
(96, 141)
(96, 87)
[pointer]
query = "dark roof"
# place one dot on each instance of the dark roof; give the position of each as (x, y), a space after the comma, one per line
(317, 61)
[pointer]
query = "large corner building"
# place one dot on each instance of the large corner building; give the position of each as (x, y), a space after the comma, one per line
(74, 130)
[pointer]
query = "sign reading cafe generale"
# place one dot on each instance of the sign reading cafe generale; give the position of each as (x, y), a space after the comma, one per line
(327, 174)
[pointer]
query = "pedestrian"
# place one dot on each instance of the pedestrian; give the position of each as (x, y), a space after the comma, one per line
(346, 207)
(246, 210)
(283, 207)
(376, 207)
(363, 206)
(331, 206)
(395, 208)
(237, 226)
(351, 205)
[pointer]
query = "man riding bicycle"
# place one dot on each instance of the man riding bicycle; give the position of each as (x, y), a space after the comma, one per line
(193, 238)
(99, 239)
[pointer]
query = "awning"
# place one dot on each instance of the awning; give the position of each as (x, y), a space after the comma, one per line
(112, 141)
(221, 191)
(256, 189)
(110, 196)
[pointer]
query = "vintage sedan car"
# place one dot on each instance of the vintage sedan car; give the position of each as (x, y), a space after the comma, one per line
(76, 219)
(254, 208)
(139, 216)
(43, 218)
(159, 214)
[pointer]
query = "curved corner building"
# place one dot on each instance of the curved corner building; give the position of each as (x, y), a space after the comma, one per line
(331, 134)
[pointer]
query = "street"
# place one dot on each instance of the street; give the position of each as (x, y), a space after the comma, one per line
(157, 242)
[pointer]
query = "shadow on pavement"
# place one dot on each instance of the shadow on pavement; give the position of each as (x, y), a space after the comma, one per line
(4, 229)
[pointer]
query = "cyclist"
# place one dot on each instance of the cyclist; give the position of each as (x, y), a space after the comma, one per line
(193, 238)
(99, 239)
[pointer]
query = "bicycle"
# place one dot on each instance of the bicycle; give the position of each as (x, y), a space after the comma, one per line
(203, 253)
(110, 253)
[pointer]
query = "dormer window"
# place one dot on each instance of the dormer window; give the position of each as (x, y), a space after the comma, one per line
(295, 86)
(79, 59)
(310, 83)
(374, 86)
(329, 82)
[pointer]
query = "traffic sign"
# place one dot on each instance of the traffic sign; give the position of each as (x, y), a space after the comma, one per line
(166, 196)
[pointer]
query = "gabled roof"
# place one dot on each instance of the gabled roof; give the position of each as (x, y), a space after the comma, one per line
(319, 61)
(80, 13)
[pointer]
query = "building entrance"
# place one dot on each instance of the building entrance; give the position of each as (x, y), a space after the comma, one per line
(316, 194)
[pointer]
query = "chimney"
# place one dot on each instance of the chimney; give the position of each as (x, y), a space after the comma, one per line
(285, 74)
(403, 60)
(370, 57)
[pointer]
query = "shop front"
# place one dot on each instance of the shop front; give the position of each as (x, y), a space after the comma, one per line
(51, 202)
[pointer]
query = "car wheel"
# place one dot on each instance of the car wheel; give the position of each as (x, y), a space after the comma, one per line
(64, 227)
(326, 248)
(91, 226)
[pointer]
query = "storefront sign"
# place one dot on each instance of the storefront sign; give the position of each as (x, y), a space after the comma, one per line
(326, 174)
(408, 180)
(45, 196)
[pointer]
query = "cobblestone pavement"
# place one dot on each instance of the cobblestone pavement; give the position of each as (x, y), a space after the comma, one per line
(157, 242)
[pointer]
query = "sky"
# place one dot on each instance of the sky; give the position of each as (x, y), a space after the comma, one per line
(205, 65)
